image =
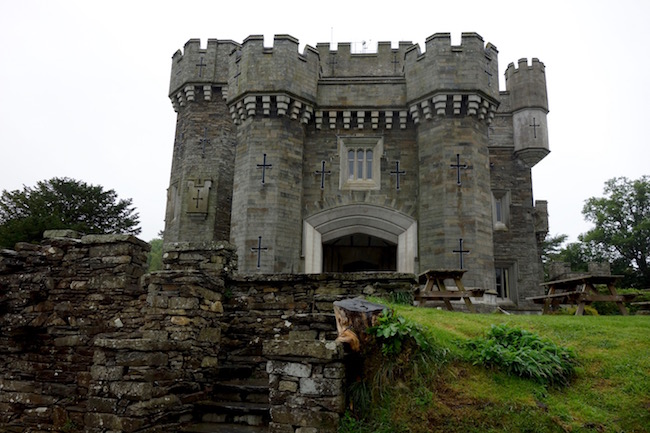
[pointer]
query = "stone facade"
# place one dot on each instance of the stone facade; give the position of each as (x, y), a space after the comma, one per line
(334, 161)
(91, 343)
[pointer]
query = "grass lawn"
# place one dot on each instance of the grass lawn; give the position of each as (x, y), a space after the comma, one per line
(610, 393)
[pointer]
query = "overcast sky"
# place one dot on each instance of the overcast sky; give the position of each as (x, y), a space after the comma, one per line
(83, 84)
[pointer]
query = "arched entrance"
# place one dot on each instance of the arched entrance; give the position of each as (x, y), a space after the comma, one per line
(358, 253)
(388, 235)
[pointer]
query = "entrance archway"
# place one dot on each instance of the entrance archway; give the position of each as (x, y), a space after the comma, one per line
(377, 223)
(359, 253)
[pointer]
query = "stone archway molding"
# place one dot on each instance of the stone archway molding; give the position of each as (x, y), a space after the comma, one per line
(382, 222)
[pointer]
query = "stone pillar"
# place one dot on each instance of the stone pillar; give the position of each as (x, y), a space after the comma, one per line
(307, 385)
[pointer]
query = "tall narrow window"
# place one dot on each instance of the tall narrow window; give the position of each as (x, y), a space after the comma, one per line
(360, 159)
(498, 204)
(351, 165)
(501, 209)
(502, 283)
(360, 166)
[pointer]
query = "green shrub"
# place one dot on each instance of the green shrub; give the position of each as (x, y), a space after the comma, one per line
(401, 298)
(523, 354)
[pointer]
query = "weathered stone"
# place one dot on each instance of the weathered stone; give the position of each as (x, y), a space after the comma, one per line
(7, 385)
(312, 348)
(315, 386)
(131, 390)
(100, 404)
(209, 362)
(155, 405)
(275, 427)
(70, 340)
(305, 418)
(288, 368)
(63, 233)
(137, 359)
(289, 386)
(180, 320)
(334, 371)
(183, 303)
(117, 260)
(100, 373)
(211, 335)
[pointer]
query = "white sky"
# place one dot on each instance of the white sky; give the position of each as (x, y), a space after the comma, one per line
(83, 84)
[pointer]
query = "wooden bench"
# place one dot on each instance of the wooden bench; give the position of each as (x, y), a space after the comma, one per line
(435, 289)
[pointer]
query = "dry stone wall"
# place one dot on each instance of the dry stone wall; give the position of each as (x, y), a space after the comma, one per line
(91, 343)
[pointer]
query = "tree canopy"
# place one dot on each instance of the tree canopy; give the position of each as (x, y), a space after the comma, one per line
(63, 203)
(622, 226)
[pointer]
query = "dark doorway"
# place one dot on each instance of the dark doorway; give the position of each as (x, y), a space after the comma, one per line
(359, 253)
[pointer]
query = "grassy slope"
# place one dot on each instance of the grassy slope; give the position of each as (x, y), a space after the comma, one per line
(611, 392)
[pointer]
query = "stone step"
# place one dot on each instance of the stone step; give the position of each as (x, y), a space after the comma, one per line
(233, 412)
(206, 427)
(242, 390)
(232, 407)
(233, 372)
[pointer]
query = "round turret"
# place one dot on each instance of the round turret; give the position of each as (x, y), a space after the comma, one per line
(526, 86)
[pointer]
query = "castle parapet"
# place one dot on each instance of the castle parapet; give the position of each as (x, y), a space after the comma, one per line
(196, 66)
(446, 68)
(281, 68)
(527, 85)
(342, 62)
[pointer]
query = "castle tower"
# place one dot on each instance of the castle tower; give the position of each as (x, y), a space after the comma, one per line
(200, 187)
(529, 104)
(272, 92)
(452, 98)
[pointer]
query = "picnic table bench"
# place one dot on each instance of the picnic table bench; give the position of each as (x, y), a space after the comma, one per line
(435, 289)
(581, 290)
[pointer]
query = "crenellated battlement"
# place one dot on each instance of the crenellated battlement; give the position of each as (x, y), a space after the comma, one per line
(442, 80)
(524, 67)
(527, 85)
(342, 62)
(255, 68)
(471, 66)
(201, 66)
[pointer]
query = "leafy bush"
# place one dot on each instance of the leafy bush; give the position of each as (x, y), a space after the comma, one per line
(523, 354)
(401, 298)
(393, 331)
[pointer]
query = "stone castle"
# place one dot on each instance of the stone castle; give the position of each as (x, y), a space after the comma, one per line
(293, 176)
(334, 161)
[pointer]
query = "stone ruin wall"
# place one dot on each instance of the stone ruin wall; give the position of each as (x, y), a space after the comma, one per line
(90, 342)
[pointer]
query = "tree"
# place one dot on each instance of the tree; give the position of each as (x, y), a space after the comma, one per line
(622, 226)
(63, 203)
(154, 259)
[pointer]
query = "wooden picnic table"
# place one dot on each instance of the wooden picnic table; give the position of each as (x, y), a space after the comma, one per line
(582, 291)
(435, 290)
